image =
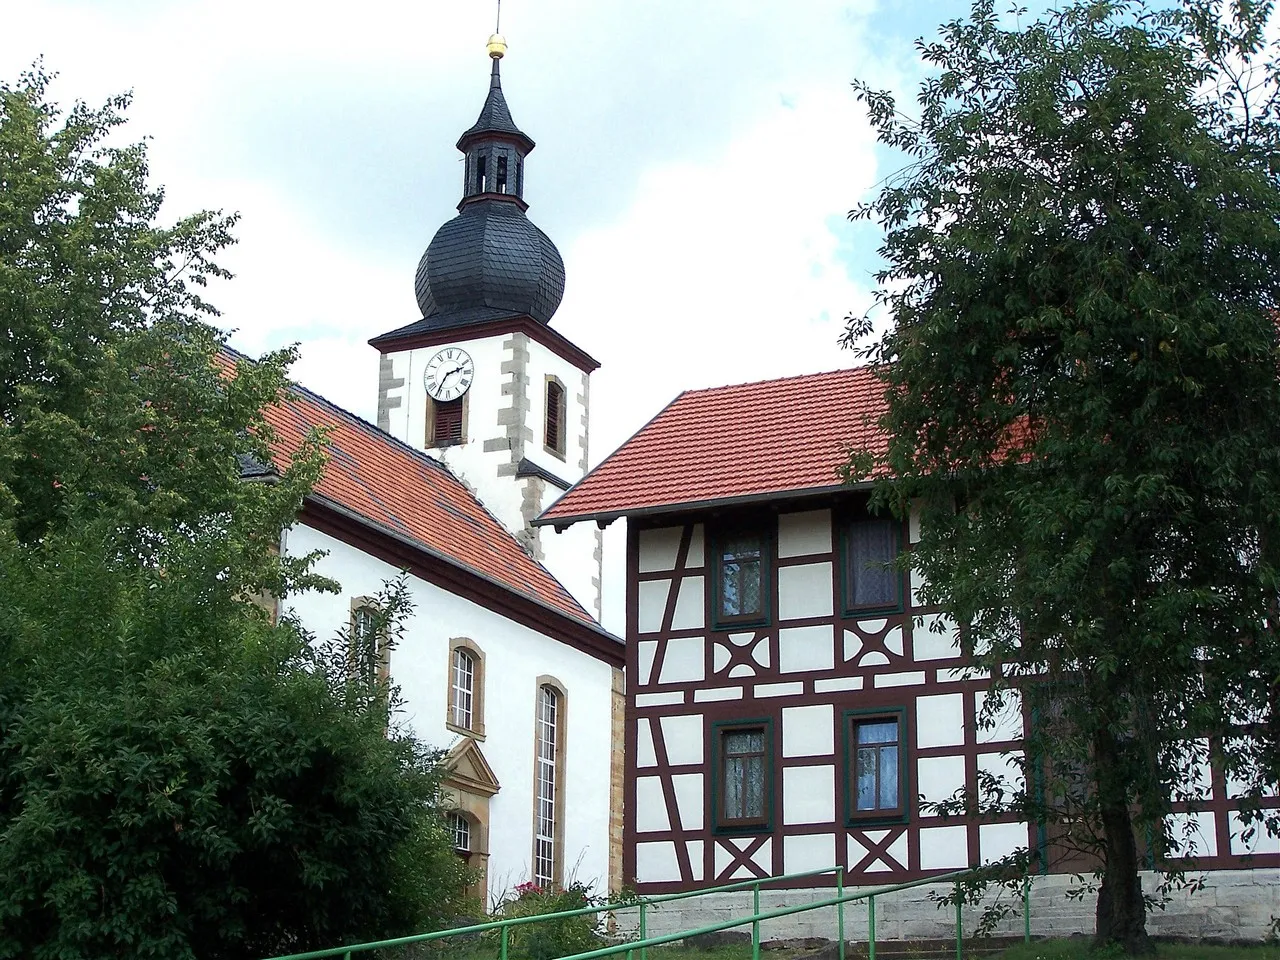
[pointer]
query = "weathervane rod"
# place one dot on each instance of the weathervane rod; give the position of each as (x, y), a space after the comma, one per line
(497, 23)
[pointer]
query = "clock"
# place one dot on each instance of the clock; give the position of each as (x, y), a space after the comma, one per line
(449, 374)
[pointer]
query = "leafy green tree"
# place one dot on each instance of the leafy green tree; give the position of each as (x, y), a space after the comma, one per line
(180, 776)
(1082, 263)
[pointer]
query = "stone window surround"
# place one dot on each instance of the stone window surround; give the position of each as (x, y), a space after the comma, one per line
(562, 711)
(476, 731)
(384, 652)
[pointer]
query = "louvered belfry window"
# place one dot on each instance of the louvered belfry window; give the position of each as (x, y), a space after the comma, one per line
(555, 416)
(446, 427)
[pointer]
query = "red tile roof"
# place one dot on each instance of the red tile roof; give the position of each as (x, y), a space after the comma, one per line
(403, 491)
(729, 443)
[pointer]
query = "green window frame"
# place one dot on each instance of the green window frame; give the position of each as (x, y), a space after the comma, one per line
(733, 547)
(854, 721)
(721, 732)
(849, 541)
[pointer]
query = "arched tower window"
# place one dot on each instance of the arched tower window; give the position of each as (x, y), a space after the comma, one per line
(548, 814)
(555, 418)
(466, 689)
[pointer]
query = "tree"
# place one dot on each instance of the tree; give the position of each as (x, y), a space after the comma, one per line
(180, 776)
(1082, 262)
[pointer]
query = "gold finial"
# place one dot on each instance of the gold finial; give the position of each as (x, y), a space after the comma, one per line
(497, 46)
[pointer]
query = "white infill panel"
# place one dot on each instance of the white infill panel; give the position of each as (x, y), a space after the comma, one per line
(943, 848)
(808, 731)
(803, 534)
(808, 795)
(893, 640)
(1251, 838)
(690, 608)
(651, 806)
(695, 859)
(716, 694)
(913, 522)
(934, 636)
(656, 862)
(917, 584)
(683, 661)
(998, 840)
(900, 679)
(645, 652)
(1194, 833)
(837, 684)
(652, 604)
(804, 591)
(659, 548)
(1007, 716)
(940, 721)
(813, 851)
(659, 699)
(682, 736)
(1004, 767)
(696, 552)
(689, 797)
(939, 777)
(645, 755)
(792, 689)
(806, 648)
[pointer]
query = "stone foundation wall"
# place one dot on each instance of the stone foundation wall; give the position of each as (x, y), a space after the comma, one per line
(1234, 905)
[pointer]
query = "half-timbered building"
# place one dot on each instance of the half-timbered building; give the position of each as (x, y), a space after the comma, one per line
(791, 703)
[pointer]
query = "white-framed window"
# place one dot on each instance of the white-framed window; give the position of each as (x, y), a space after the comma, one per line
(461, 833)
(547, 782)
(462, 688)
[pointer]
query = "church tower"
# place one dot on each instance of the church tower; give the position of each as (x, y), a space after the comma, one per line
(482, 381)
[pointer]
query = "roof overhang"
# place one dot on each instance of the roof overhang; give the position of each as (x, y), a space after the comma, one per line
(405, 553)
(605, 517)
(520, 323)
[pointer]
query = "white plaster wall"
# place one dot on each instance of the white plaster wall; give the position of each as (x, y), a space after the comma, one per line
(542, 364)
(571, 557)
(515, 657)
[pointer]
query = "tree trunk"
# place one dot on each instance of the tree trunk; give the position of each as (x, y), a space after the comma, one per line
(1122, 913)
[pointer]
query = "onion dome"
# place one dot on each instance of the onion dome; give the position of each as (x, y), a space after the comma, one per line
(490, 261)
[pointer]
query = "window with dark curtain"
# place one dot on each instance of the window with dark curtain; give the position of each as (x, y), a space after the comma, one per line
(742, 575)
(447, 426)
(555, 416)
(743, 777)
(876, 787)
(870, 578)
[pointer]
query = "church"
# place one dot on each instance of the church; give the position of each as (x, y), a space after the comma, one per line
(482, 423)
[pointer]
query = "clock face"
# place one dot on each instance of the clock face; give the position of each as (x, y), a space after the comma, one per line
(449, 374)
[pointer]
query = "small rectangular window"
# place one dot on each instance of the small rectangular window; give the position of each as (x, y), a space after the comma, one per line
(742, 577)
(745, 776)
(555, 417)
(446, 427)
(877, 771)
(871, 581)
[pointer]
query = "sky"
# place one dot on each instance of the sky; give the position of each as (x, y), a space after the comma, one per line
(695, 164)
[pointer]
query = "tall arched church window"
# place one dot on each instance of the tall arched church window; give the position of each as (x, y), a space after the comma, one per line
(548, 814)
(466, 689)
(555, 419)
(368, 652)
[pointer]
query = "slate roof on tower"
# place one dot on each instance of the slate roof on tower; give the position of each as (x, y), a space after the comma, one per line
(490, 262)
(734, 444)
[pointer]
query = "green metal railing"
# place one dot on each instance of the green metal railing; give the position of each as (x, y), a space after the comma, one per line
(642, 905)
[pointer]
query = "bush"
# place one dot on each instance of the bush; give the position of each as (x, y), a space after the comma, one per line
(549, 939)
